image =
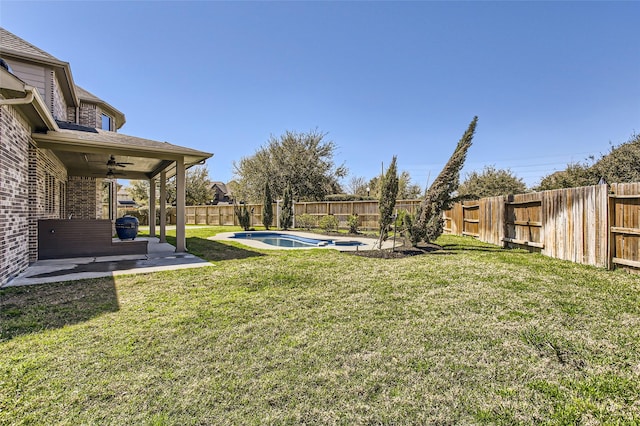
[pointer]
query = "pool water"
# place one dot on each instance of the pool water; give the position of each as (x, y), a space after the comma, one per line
(290, 241)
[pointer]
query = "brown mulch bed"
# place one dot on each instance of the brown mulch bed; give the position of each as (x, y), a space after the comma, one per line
(398, 253)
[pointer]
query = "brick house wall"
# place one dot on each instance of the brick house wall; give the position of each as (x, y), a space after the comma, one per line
(84, 198)
(89, 115)
(14, 193)
(47, 192)
(59, 105)
(71, 114)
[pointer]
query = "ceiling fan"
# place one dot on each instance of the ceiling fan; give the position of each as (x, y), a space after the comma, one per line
(113, 163)
(112, 175)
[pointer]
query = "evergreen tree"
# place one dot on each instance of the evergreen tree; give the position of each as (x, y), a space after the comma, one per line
(286, 212)
(243, 215)
(428, 223)
(267, 209)
(388, 200)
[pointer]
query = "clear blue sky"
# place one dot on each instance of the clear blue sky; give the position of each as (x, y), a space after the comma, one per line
(551, 82)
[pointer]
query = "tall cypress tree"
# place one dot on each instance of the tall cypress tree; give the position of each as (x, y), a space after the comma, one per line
(388, 200)
(429, 224)
(286, 213)
(267, 208)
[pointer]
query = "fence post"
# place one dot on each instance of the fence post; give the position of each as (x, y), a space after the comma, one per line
(611, 223)
(505, 215)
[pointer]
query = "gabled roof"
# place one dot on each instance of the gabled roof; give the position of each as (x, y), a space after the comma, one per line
(12, 46)
(85, 95)
(85, 151)
(221, 185)
(11, 43)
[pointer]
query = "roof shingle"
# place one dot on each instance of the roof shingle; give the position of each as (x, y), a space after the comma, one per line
(11, 43)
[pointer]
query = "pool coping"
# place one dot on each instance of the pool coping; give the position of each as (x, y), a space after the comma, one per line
(368, 243)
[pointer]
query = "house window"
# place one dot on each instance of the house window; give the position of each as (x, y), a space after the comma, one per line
(49, 193)
(107, 201)
(62, 192)
(106, 122)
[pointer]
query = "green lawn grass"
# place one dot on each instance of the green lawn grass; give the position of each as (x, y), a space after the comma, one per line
(469, 335)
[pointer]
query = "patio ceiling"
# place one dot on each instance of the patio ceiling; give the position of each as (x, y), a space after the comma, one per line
(97, 165)
(93, 153)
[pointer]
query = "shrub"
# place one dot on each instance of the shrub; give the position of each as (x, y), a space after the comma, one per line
(407, 221)
(329, 223)
(305, 221)
(243, 215)
(353, 222)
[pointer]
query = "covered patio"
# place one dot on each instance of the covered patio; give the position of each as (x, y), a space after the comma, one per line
(92, 153)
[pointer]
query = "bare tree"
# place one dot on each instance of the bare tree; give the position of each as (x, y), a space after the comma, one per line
(357, 185)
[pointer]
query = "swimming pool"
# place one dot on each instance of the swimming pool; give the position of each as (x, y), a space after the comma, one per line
(292, 241)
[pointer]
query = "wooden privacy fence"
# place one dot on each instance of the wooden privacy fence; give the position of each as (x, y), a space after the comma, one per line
(367, 212)
(624, 221)
(593, 225)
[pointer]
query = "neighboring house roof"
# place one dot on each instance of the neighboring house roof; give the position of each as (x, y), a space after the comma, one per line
(124, 199)
(85, 95)
(12, 46)
(221, 186)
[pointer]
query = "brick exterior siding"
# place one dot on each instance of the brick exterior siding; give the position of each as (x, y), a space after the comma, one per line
(71, 114)
(14, 193)
(84, 197)
(33, 186)
(59, 104)
(47, 201)
(34, 183)
(89, 115)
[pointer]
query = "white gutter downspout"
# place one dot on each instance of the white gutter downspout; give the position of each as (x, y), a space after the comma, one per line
(33, 97)
(21, 101)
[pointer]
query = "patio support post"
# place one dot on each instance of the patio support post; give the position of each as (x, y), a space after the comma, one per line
(163, 206)
(152, 207)
(181, 241)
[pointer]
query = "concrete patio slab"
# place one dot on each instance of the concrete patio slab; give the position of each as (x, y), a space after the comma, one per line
(160, 257)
